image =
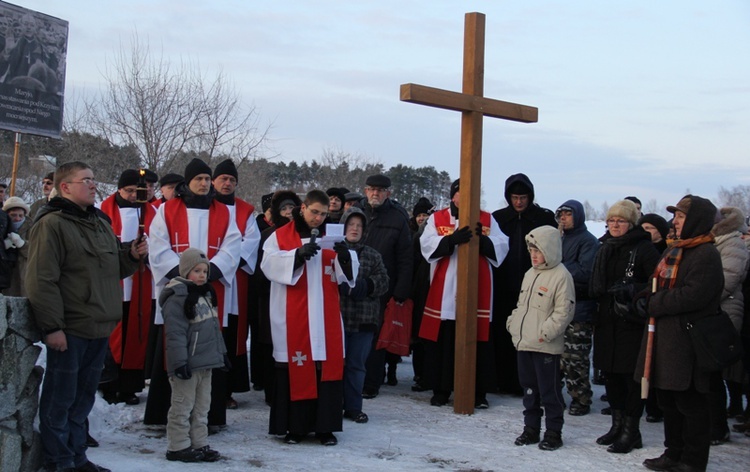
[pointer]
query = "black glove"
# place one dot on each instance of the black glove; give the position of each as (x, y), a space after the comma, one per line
(479, 230)
(183, 372)
(214, 273)
(342, 252)
(307, 251)
(641, 304)
(622, 292)
(360, 289)
(486, 248)
(173, 272)
(227, 364)
(304, 253)
(460, 236)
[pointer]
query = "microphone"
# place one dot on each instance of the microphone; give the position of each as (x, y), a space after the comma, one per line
(313, 235)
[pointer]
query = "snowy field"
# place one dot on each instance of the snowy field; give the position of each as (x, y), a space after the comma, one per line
(404, 433)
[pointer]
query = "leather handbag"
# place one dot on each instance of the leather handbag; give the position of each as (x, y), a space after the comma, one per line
(716, 342)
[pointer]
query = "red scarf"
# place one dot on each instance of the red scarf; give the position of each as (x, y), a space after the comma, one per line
(132, 355)
(433, 307)
(302, 374)
(243, 212)
(178, 227)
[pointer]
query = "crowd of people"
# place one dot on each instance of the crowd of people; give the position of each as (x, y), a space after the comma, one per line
(168, 291)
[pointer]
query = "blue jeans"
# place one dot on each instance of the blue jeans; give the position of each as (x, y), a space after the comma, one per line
(68, 394)
(357, 349)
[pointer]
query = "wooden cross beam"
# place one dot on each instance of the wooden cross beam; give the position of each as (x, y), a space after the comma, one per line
(473, 106)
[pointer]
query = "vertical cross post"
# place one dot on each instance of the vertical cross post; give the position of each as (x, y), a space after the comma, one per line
(473, 106)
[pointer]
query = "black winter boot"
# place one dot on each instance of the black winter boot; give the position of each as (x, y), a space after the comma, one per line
(614, 431)
(629, 438)
(552, 441)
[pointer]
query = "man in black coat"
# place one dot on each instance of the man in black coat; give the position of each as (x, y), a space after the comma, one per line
(516, 220)
(387, 231)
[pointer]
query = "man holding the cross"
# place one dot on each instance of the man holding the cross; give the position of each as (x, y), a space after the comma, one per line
(439, 243)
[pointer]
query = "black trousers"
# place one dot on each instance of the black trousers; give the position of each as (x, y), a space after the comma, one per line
(686, 426)
(624, 393)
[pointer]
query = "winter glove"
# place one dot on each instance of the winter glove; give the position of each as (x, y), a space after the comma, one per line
(17, 240)
(183, 372)
(641, 304)
(227, 364)
(8, 243)
(214, 273)
(342, 252)
(306, 252)
(360, 289)
(460, 236)
(622, 292)
(486, 248)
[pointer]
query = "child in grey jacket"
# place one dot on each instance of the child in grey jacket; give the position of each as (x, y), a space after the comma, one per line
(194, 346)
(546, 306)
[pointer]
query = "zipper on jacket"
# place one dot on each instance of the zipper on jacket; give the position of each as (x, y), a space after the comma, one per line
(195, 344)
(523, 318)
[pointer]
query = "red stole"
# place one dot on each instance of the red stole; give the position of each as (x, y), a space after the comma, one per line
(243, 212)
(132, 355)
(178, 226)
(302, 373)
(433, 307)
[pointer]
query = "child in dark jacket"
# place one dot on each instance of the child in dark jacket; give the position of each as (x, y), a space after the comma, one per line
(194, 347)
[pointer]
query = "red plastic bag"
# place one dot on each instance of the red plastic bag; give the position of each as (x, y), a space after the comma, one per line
(395, 334)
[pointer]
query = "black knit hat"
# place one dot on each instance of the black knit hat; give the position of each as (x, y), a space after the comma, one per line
(657, 221)
(226, 167)
(128, 177)
(265, 201)
(50, 176)
(423, 205)
(194, 168)
(171, 179)
(455, 186)
(151, 176)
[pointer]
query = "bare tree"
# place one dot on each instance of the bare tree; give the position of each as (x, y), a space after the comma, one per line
(165, 110)
(738, 196)
(590, 211)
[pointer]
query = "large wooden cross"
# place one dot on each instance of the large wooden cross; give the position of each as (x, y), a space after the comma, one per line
(473, 106)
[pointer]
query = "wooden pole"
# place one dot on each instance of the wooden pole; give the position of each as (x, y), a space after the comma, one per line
(16, 153)
(646, 379)
(464, 379)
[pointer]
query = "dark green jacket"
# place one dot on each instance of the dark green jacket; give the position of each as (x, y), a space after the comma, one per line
(74, 271)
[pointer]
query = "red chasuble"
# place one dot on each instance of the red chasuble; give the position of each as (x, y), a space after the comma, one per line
(302, 375)
(176, 219)
(133, 354)
(432, 312)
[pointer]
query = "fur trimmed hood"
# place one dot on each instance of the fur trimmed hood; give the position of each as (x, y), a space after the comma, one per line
(732, 220)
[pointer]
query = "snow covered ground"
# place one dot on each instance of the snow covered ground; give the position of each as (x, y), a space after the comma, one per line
(404, 433)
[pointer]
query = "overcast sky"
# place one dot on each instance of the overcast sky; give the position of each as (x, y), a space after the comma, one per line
(635, 97)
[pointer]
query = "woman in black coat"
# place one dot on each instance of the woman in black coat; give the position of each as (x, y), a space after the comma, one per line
(690, 281)
(617, 339)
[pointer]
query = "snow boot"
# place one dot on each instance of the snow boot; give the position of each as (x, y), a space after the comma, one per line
(529, 436)
(629, 438)
(552, 440)
(614, 431)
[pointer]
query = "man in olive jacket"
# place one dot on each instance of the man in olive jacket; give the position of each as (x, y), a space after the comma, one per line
(73, 283)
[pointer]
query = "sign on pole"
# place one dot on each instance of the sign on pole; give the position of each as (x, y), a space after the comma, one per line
(33, 47)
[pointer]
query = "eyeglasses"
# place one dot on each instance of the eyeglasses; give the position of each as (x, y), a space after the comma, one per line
(376, 189)
(321, 214)
(86, 180)
(613, 221)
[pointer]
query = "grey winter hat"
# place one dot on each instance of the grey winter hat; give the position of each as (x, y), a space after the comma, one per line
(191, 258)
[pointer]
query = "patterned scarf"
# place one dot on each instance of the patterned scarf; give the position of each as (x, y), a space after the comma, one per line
(666, 271)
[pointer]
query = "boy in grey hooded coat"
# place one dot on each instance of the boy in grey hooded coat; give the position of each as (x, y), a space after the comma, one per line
(546, 306)
(194, 347)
